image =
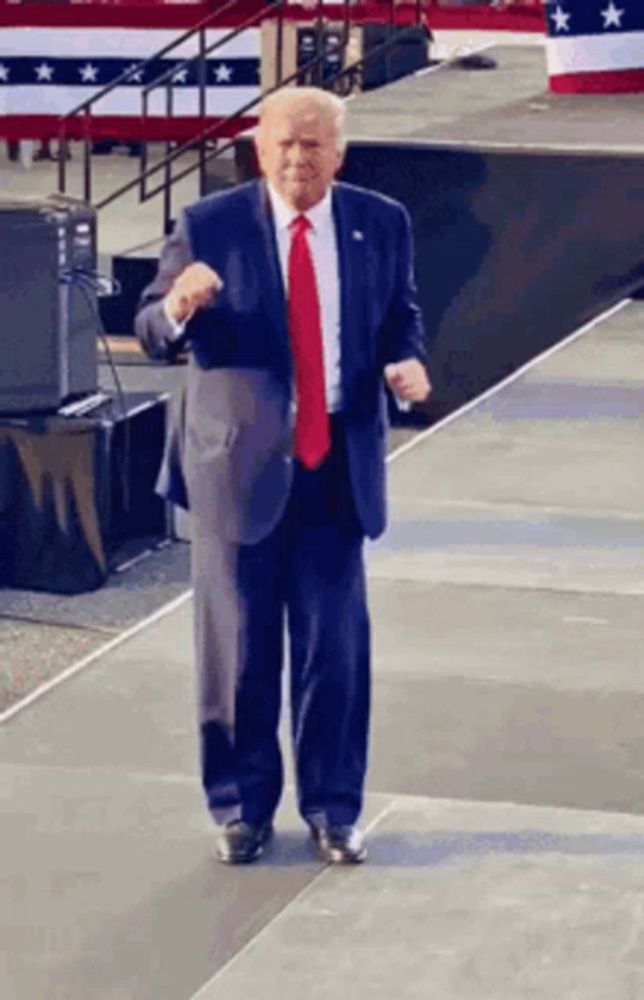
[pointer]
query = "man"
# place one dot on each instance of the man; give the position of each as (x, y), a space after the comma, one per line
(295, 295)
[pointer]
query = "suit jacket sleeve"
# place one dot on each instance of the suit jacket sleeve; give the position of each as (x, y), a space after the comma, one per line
(151, 325)
(403, 333)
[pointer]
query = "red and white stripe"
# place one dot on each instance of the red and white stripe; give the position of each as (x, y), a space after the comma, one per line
(599, 64)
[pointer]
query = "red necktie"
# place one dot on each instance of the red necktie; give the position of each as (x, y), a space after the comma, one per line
(312, 438)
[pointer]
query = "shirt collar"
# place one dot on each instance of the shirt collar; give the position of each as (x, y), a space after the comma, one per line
(319, 216)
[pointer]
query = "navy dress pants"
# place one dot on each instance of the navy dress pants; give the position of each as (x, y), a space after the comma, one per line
(308, 574)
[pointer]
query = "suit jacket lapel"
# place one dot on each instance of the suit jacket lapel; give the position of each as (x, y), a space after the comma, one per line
(264, 249)
(351, 264)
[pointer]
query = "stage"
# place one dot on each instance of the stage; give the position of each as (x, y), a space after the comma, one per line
(505, 807)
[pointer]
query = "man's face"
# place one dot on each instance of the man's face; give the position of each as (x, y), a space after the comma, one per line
(298, 153)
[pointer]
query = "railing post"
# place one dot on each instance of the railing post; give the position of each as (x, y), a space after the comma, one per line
(62, 158)
(167, 171)
(319, 45)
(143, 155)
(87, 156)
(391, 37)
(279, 54)
(203, 80)
(345, 88)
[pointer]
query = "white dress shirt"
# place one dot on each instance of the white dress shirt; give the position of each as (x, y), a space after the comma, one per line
(324, 252)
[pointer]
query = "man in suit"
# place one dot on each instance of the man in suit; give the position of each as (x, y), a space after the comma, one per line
(296, 298)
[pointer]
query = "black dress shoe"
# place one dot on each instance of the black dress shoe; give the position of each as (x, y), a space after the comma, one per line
(339, 845)
(239, 843)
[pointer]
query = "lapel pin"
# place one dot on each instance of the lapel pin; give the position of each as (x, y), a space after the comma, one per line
(357, 234)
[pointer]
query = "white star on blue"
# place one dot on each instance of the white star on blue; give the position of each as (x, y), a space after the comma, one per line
(223, 73)
(44, 71)
(74, 72)
(561, 19)
(88, 73)
(612, 16)
(575, 18)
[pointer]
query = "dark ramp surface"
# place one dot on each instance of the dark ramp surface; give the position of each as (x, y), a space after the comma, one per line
(527, 208)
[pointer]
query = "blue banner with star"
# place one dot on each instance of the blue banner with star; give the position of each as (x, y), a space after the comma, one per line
(34, 71)
(594, 18)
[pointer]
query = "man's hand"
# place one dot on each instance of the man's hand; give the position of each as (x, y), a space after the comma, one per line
(196, 287)
(408, 380)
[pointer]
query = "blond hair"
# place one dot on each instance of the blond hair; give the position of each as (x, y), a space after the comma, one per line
(314, 99)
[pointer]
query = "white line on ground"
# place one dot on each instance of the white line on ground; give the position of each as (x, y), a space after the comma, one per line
(584, 620)
(134, 561)
(182, 598)
(457, 414)
(91, 657)
(201, 993)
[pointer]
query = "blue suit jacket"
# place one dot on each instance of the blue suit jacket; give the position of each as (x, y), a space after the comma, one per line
(234, 424)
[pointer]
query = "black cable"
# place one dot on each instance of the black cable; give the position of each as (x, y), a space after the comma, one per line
(86, 281)
(90, 280)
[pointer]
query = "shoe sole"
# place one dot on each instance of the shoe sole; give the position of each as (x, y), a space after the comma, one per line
(245, 859)
(238, 859)
(337, 857)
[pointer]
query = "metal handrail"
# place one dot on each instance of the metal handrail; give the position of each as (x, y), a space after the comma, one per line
(168, 78)
(213, 130)
(136, 68)
(208, 133)
(169, 74)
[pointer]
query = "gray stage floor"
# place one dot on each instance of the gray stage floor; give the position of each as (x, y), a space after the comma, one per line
(506, 796)
(506, 106)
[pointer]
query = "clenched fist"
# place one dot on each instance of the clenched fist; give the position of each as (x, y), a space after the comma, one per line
(196, 287)
(408, 380)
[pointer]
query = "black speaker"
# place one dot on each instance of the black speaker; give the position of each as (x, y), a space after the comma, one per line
(47, 311)
(407, 54)
(320, 41)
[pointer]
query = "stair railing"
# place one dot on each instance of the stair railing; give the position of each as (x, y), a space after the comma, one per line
(169, 77)
(312, 70)
(214, 131)
(137, 69)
